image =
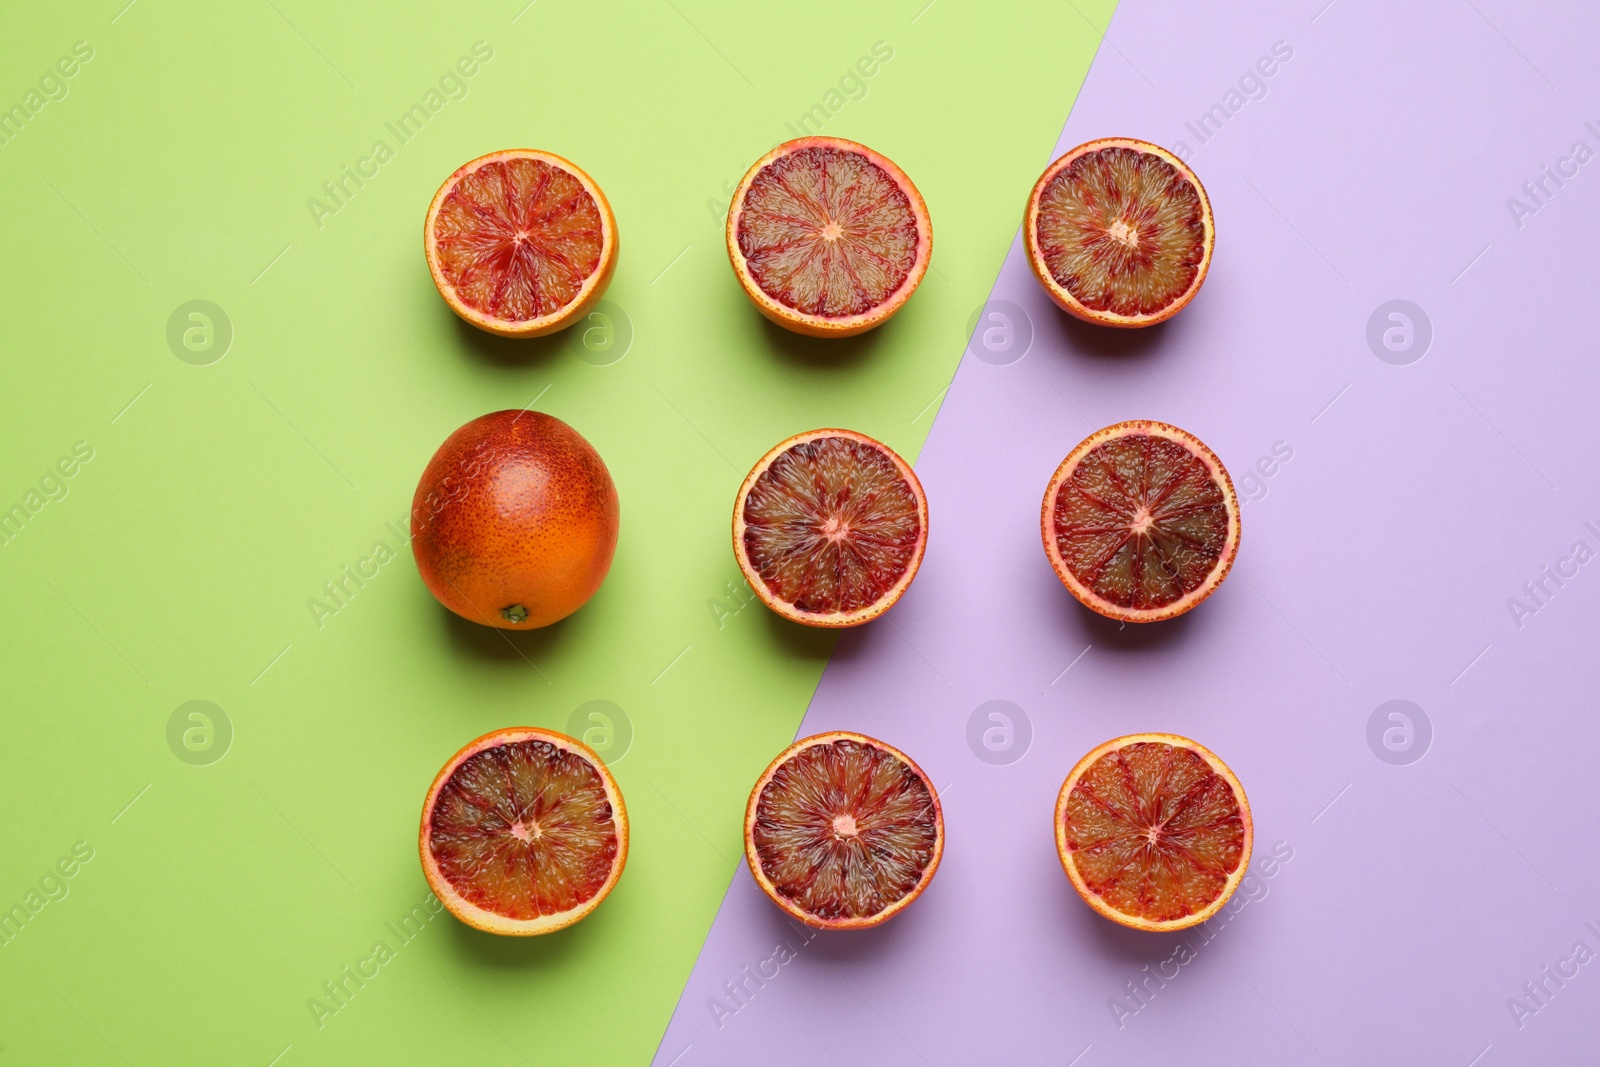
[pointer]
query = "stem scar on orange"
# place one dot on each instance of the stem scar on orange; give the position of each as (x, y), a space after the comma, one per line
(843, 831)
(523, 832)
(1119, 232)
(520, 243)
(1140, 521)
(1154, 831)
(827, 237)
(829, 528)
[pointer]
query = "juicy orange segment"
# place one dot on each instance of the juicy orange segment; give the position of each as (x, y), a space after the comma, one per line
(520, 242)
(523, 832)
(1120, 232)
(1154, 831)
(1141, 522)
(828, 237)
(843, 831)
(830, 528)
(827, 232)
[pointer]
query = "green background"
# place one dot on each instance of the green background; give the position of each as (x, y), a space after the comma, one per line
(180, 562)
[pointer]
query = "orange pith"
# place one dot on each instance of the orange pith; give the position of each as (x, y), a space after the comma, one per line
(1119, 232)
(829, 528)
(1141, 522)
(523, 832)
(1154, 831)
(828, 237)
(520, 242)
(843, 831)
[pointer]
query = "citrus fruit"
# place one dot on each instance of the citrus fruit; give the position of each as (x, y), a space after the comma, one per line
(514, 521)
(1141, 522)
(829, 528)
(1119, 232)
(827, 237)
(1154, 831)
(520, 243)
(843, 831)
(523, 832)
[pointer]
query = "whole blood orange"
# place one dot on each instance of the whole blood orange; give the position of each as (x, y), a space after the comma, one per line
(1154, 831)
(827, 237)
(843, 831)
(523, 832)
(829, 528)
(1119, 232)
(1140, 521)
(520, 243)
(514, 521)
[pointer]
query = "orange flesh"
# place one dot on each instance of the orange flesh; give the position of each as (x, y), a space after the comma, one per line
(517, 238)
(1141, 521)
(831, 525)
(827, 232)
(1154, 831)
(524, 830)
(1122, 231)
(844, 830)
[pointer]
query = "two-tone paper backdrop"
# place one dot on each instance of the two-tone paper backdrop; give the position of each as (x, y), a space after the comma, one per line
(225, 367)
(1394, 354)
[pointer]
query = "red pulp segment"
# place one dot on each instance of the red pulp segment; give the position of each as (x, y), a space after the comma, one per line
(1154, 831)
(517, 238)
(827, 232)
(1122, 230)
(832, 525)
(845, 830)
(1141, 522)
(524, 830)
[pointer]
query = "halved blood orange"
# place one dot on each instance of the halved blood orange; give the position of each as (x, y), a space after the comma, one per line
(827, 237)
(843, 831)
(520, 242)
(1119, 232)
(523, 832)
(1154, 831)
(829, 528)
(1141, 522)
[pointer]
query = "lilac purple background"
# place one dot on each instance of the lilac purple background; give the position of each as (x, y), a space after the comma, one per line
(1377, 563)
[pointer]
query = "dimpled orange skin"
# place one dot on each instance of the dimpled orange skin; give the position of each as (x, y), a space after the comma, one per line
(515, 521)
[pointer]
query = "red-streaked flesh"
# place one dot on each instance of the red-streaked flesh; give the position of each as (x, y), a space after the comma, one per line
(831, 525)
(1122, 231)
(1154, 831)
(827, 232)
(517, 238)
(845, 830)
(1141, 521)
(525, 830)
